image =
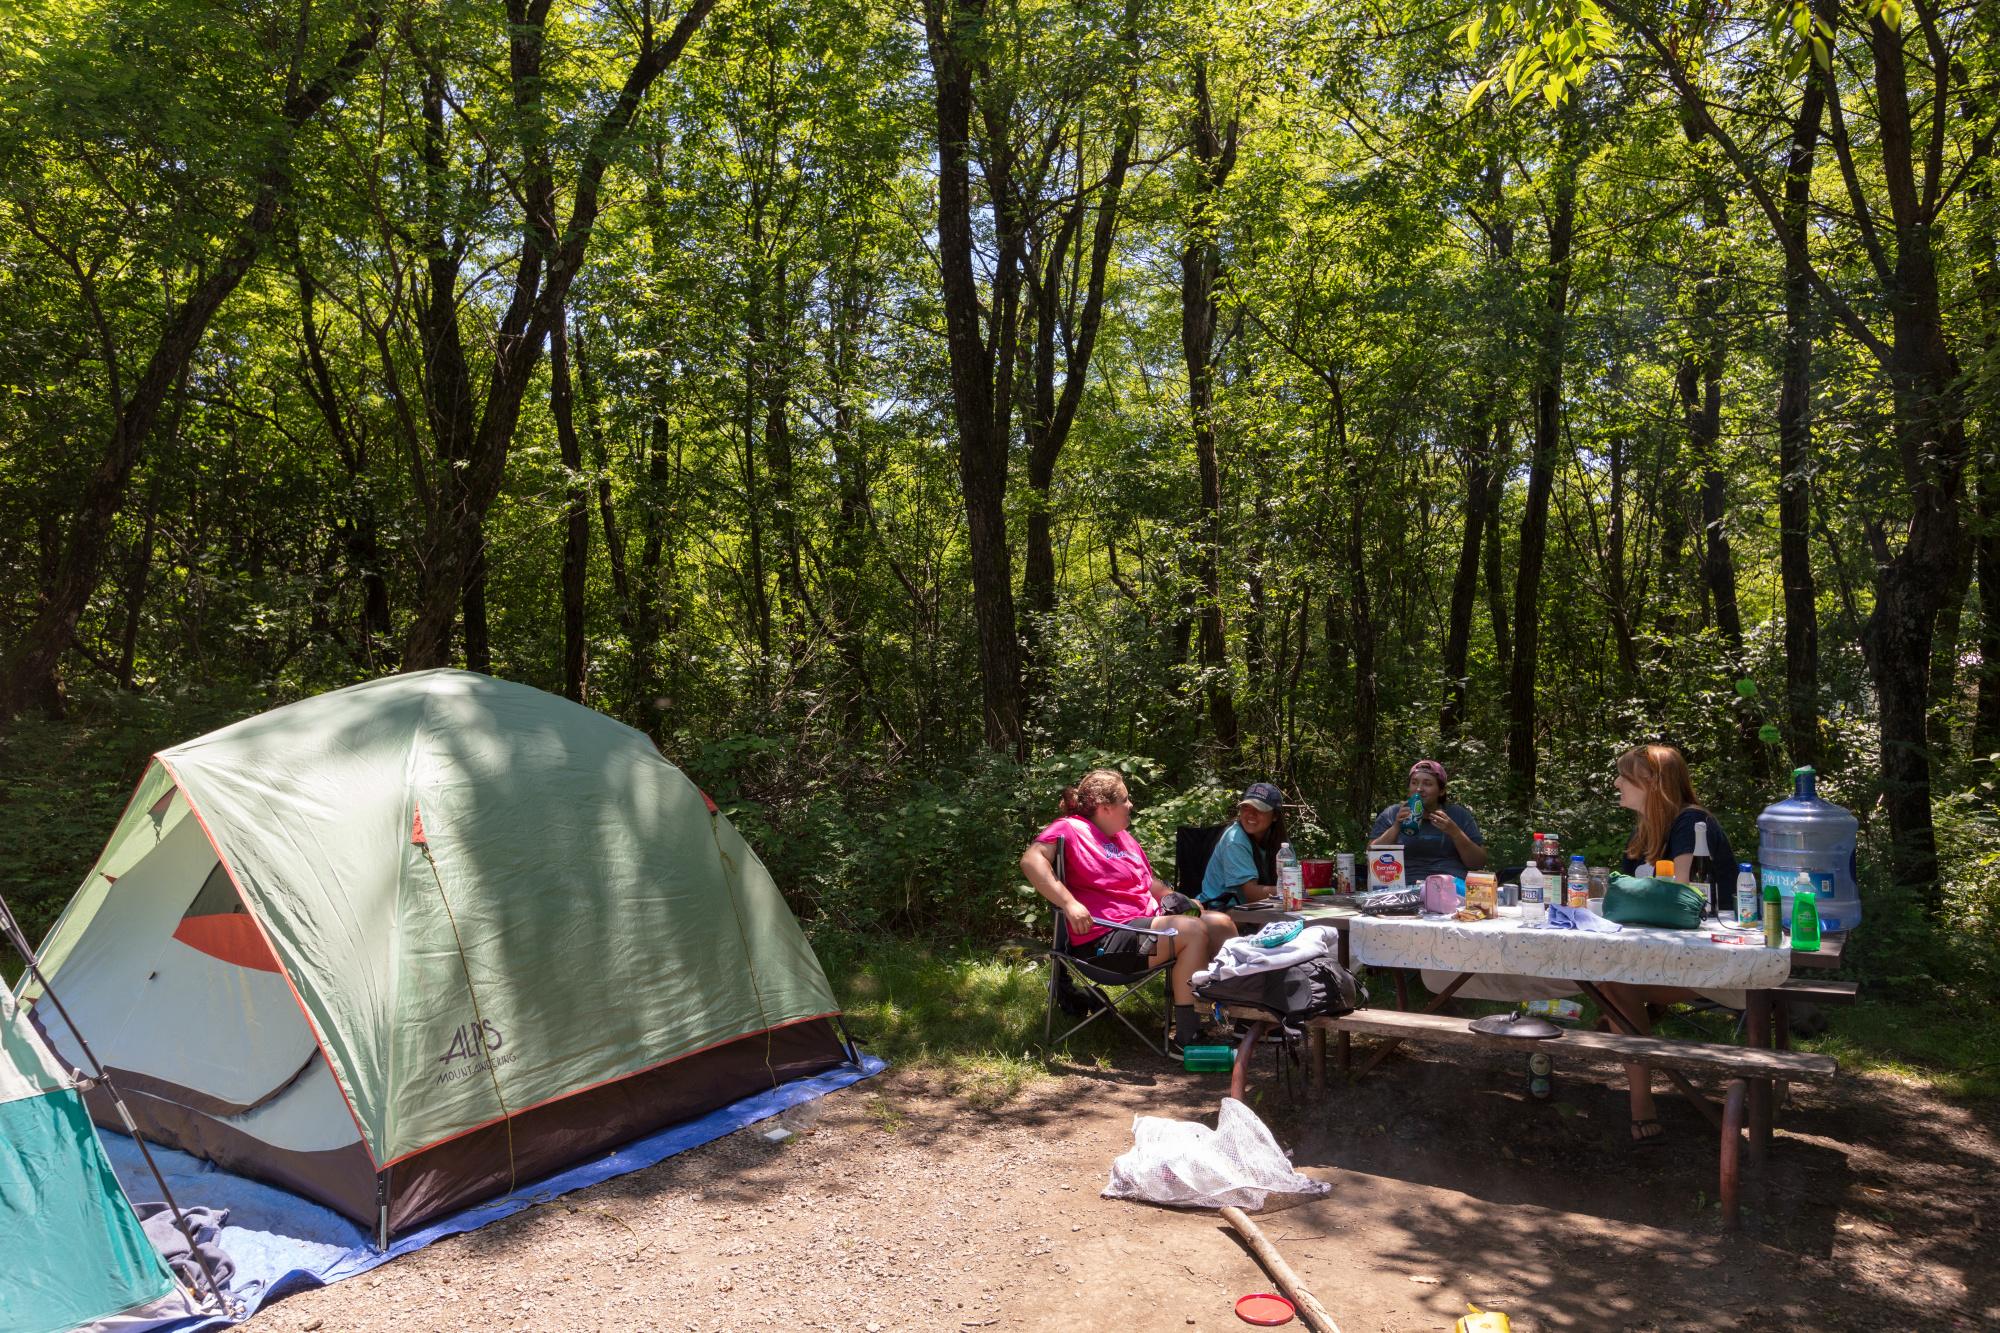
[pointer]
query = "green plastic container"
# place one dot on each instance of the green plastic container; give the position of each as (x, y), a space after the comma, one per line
(1208, 1059)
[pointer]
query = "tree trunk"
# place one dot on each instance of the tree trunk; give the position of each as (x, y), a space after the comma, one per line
(1541, 476)
(1360, 626)
(1061, 319)
(1465, 581)
(778, 466)
(848, 311)
(136, 575)
(979, 387)
(478, 647)
(1795, 440)
(1700, 383)
(1617, 578)
(1494, 559)
(1986, 543)
(576, 528)
(754, 357)
(1986, 718)
(1201, 266)
(1912, 583)
(28, 672)
(545, 265)
(1943, 712)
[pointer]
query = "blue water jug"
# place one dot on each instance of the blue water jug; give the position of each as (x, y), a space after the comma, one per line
(1805, 833)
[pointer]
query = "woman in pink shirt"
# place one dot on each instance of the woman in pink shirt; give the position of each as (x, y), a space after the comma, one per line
(1106, 875)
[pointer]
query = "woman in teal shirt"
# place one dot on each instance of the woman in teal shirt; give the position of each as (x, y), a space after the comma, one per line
(1243, 868)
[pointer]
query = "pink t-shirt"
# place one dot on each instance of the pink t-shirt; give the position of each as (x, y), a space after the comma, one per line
(1110, 876)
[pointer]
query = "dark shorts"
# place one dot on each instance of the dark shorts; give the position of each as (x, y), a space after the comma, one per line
(1118, 951)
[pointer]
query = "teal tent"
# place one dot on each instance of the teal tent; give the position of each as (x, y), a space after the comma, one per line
(75, 1252)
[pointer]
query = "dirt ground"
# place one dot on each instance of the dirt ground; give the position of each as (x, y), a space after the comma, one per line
(906, 1208)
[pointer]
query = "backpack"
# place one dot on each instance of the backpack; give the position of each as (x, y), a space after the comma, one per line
(1318, 987)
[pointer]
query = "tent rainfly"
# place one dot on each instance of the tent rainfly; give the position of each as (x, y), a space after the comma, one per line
(404, 946)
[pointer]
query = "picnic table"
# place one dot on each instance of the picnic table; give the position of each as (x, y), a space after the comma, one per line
(1634, 955)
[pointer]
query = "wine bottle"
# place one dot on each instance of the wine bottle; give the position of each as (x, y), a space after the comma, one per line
(1701, 874)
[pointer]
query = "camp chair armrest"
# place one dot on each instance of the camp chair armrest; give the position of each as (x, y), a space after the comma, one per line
(1167, 934)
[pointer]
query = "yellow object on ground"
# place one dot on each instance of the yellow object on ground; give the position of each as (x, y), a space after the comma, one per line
(1482, 1321)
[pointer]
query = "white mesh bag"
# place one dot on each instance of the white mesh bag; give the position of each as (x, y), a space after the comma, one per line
(1185, 1163)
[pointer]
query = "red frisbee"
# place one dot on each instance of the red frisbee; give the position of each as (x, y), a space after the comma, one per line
(1265, 1309)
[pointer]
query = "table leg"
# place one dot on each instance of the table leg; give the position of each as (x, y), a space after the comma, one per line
(1403, 990)
(1624, 1023)
(1346, 1043)
(1760, 1089)
(1732, 1142)
(1240, 1074)
(1318, 1055)
(1781, 1038)
(1442, 998)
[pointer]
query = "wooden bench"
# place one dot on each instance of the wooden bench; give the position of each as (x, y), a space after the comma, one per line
(1740, 1066)
(1820, 992)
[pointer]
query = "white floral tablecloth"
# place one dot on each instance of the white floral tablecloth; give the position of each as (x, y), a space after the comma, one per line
(1636, 955)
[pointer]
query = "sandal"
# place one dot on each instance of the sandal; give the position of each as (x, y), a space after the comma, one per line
(1648, 1134)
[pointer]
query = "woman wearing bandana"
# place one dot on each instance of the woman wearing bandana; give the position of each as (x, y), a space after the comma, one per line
(1438, 837)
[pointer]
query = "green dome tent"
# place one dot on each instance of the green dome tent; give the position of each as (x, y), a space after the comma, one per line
(406, 945)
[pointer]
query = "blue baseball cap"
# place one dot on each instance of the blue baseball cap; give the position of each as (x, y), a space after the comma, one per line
(1264, 796)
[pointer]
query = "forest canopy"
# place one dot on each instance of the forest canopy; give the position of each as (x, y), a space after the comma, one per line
(895, 409)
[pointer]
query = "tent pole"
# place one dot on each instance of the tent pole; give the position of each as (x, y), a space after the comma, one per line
(19, 940)
(382, 1210)
(853, 1053)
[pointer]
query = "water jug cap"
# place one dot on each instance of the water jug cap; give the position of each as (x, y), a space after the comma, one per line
(1804, 783)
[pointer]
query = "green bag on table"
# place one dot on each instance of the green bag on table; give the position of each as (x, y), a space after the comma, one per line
(1631, 901)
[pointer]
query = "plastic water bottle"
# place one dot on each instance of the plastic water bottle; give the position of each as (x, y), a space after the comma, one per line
(1576, 884)
(1805, 915)
(1806, 834)
(1291, 881)
(1534, 896)
(1749, 902)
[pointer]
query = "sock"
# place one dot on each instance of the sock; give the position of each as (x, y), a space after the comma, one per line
(1184, 1029)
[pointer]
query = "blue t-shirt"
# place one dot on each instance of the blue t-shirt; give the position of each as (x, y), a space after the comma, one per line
(1231, 865)
(1430, 851)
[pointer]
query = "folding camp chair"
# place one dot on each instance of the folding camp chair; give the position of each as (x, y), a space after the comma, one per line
(1097, 982)
(1194, 844)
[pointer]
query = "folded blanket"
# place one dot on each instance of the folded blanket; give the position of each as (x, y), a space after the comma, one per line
(172, 1242)
(1241, 956)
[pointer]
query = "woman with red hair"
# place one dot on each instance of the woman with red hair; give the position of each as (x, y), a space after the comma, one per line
(1653, 783)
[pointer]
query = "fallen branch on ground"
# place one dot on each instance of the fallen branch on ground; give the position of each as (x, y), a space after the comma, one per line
(1311, 1311)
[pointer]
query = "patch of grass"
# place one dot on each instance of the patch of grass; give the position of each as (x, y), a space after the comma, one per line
(1952, 1049)
(971, 1017)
